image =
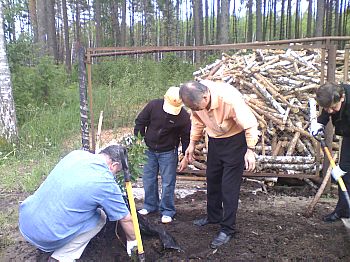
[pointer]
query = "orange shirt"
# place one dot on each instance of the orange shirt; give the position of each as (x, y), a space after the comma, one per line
(228, 115)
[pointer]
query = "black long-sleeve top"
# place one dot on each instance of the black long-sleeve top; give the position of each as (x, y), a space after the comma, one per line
(163, 131)
(341, 119)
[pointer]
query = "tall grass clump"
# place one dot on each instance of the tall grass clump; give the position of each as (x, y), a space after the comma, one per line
(122, 87)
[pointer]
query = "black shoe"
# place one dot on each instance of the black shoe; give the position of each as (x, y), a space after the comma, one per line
(221, 239)
(201, 222)
(333, 217)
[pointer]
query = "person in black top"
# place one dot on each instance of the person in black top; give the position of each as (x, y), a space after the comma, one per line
(335, 100)
(163, 123)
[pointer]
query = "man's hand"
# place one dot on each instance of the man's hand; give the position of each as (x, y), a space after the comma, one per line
(190, 152)
(249, 159)
(183, 164)
(316, 129)
(130, 245)
(337, 173)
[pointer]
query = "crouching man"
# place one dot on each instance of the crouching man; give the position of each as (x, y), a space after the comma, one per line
(72, 204)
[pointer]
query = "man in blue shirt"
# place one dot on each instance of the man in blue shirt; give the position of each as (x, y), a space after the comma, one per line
(72, 204)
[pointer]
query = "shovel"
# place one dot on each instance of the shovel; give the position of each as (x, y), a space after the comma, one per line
(127, 178)
(340, 181)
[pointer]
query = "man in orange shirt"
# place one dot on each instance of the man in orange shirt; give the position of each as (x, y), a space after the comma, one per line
(232, 130)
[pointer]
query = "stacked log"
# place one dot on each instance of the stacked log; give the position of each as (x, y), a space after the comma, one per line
(277, 85)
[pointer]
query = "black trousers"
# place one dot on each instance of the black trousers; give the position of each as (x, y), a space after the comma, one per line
(225, 164)
(342, 207)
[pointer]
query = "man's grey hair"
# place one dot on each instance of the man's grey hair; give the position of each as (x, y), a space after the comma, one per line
(114, 152)
(192, 92)
(329, 94)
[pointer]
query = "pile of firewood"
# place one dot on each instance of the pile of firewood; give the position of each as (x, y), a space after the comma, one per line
(277, 85)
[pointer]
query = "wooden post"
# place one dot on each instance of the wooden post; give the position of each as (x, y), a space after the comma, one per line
(346, 63)
(84, 124)
(92, 123)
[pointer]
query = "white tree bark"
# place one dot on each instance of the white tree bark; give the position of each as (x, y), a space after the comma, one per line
(8, 121)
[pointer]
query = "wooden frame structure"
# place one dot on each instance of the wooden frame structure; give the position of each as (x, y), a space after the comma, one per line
(85, 57)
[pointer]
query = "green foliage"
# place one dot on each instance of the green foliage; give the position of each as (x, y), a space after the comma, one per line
(21, 53)
(136, 156)
(36, 87)
(175, 68)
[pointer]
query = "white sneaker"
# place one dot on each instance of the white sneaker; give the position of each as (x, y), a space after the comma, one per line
(143, 212)
(166, 219)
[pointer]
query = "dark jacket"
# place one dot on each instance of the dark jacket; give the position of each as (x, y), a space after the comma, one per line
(163, 131)
(341, 119)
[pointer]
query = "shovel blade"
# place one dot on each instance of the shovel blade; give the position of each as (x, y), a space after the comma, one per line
(346, 222)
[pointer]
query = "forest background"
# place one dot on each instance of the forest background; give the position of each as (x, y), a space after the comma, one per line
(39, 96)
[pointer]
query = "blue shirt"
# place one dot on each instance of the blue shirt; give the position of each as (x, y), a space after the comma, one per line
(65, 205)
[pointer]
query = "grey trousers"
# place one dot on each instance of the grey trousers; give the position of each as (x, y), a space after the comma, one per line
(75, 248)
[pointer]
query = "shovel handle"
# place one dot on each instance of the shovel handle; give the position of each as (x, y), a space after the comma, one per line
(134, 218)
(340, 180)
(326, 150)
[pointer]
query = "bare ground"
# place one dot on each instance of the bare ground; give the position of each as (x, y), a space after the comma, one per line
(271, 227)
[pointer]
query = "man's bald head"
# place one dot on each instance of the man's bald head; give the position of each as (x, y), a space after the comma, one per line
(192, 93)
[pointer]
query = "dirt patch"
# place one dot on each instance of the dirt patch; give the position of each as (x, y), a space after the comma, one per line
(269, 227)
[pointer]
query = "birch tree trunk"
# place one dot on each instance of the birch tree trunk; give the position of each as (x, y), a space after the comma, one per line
(8, 121)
